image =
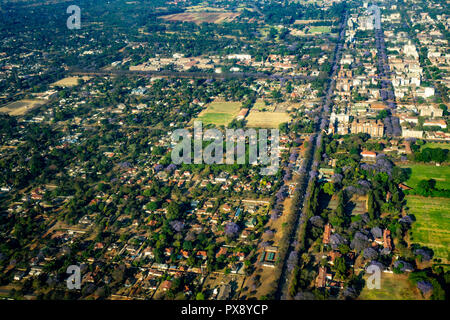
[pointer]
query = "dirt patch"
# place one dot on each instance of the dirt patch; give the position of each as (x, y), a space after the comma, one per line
(21, 107)
(202, 17)
(69, 81)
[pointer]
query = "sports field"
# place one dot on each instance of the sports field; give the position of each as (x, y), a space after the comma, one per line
(258, 119)
(320, 29)
(432, 225)
(392, 287)
(422, 172)
(220, 113)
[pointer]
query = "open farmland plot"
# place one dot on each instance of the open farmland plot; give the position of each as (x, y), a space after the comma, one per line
(422, 172)
(220, 113)
(392, 287)
(19, 108)
(202, 17)
(257, 119)
(432, 225)
(69, 82)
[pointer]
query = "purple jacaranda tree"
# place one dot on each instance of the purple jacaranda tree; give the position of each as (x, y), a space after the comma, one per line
(346, 168)
(350, 293)
(313, 174)
(177, 225)
(292, 261)
(426, 254)
(274, 215)
(231, 229)
(337, 178)
(264, 244)
(403, 265)
(376, 232)
(316, 221)
(269, 234)
(304, 296)
(424, 286)
(281, 194)
(287, 176)
(370, 254)
(125, 165)
(366, 167)
(383, 164)
(364, 184)
(406, 219)
(315, 164)
(293, 156)
(360, 242)
(171, 167)
(336, 240)
(350, 190)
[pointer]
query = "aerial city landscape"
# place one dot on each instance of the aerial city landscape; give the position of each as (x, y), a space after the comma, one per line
(119, 124)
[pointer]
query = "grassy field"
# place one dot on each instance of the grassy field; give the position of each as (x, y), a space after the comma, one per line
(220, 113)
(19, 108)
(432, 226)
(393, 287)
(258, 119)
(68, 82)
(261, 106)
(422, 172)
(433, 145)
(319, 29)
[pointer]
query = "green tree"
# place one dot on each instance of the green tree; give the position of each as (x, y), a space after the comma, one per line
(328, 188)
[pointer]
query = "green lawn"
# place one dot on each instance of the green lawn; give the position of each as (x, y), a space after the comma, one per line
(392, 287)
(432, 225)
(220, 113)
(319, 29)
(434, 145)
(422, 171)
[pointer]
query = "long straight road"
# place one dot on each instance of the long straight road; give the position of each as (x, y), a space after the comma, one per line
(191, 75)
(284, 280)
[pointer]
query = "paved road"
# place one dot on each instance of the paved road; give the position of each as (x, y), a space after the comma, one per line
(391, 123)
(190, 75)
(283, 284)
